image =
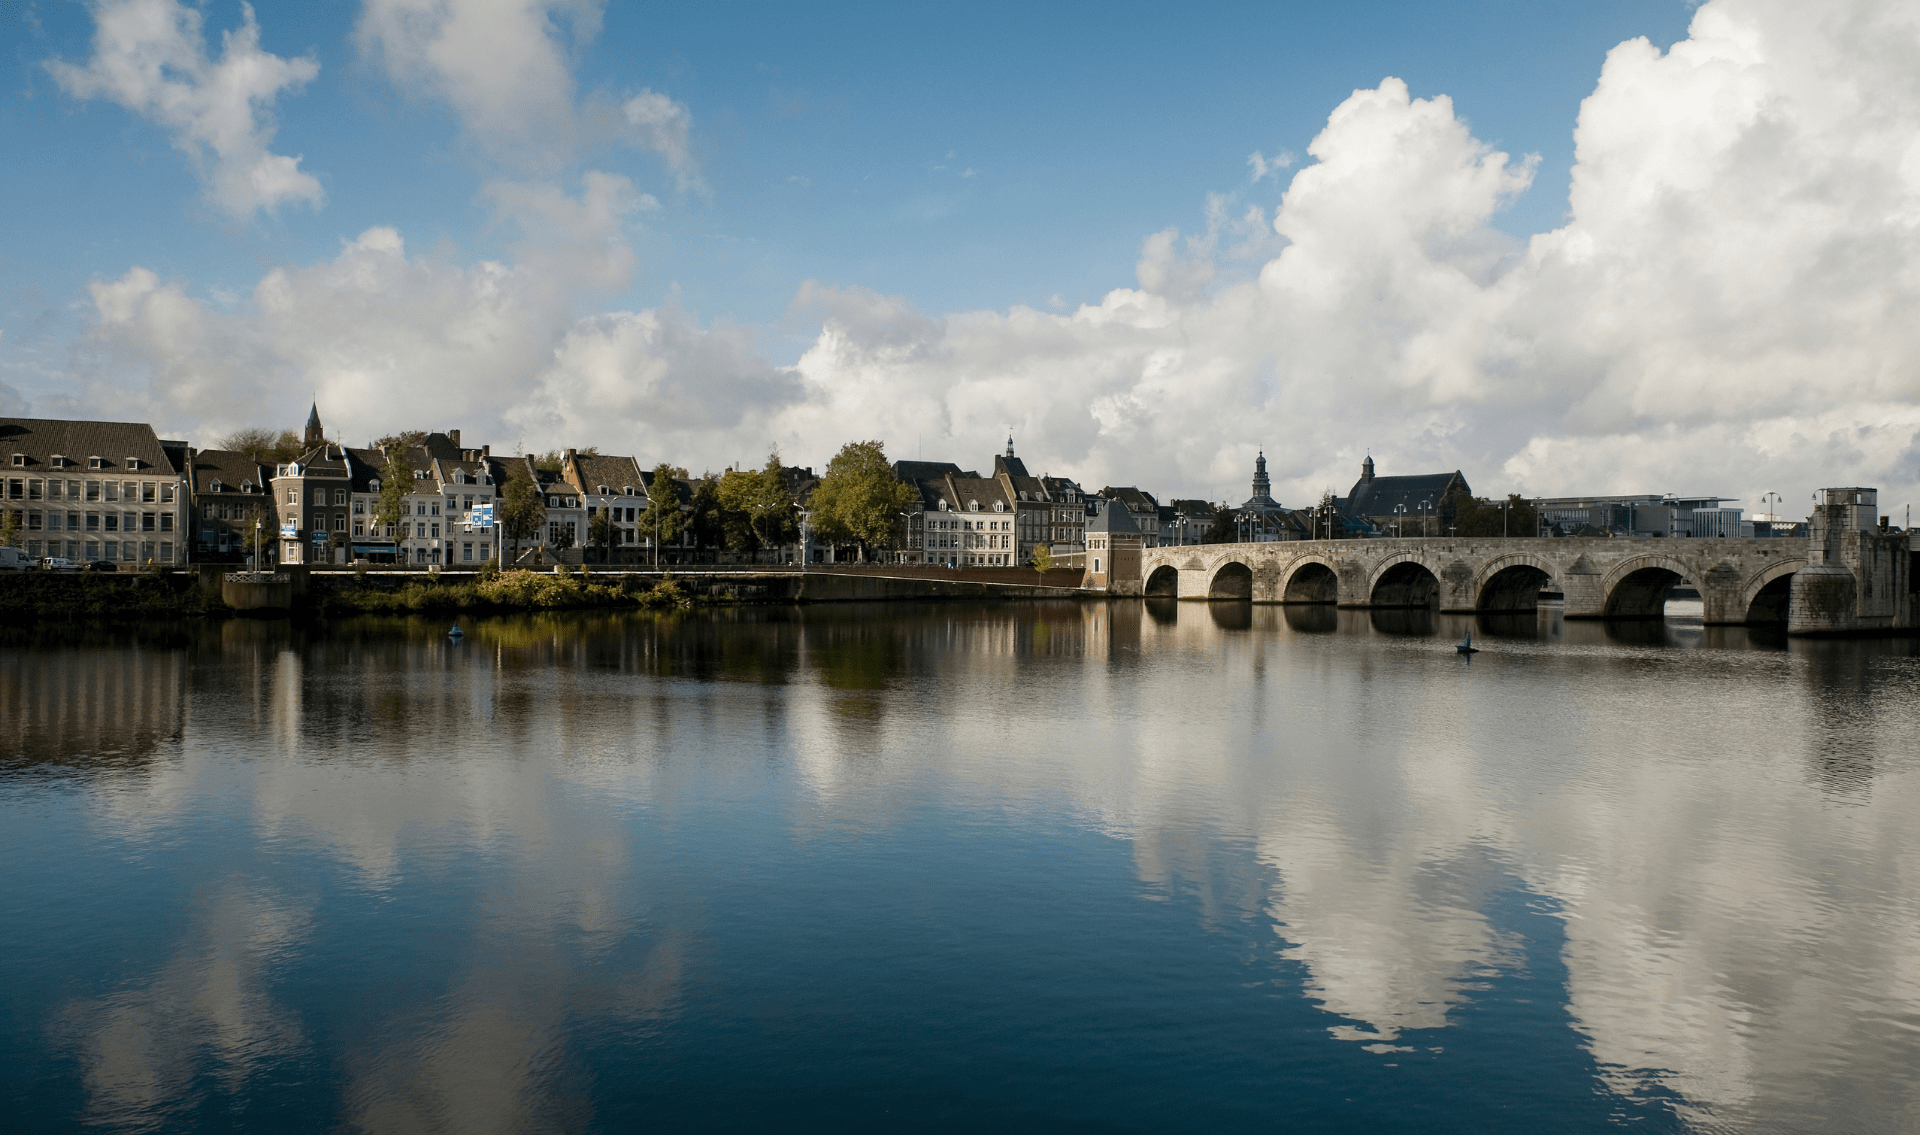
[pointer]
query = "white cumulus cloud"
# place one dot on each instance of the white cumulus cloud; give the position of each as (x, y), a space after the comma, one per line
(507, 68)
(150, 56)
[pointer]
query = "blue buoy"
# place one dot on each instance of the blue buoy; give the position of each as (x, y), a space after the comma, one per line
(455, 632)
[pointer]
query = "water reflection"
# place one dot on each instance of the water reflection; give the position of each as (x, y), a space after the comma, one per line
(528, 878)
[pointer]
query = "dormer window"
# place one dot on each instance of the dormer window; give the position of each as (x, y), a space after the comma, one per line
(999, 506)
(605, 491)
(246, 486)
(216, 486)
(373, 486)
(133, 463)
(93, 463)
(19, 460)
(629, 490)
(973, 506)
(486, 478)
(419, 474)
(943, 506)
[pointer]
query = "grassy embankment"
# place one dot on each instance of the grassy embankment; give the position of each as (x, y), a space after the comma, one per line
(31, 597)
(501, 591)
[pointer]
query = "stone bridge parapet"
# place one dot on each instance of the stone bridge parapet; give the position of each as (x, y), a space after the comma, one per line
(1740, 580)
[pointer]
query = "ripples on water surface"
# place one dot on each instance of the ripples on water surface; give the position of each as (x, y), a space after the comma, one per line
(1096, 866)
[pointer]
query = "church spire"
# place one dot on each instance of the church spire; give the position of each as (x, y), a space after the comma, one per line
(1262, 486)
(315, 434)
(1009, 443)
(1366, 469)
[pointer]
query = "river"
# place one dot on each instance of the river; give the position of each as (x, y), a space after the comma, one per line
(1041, 866)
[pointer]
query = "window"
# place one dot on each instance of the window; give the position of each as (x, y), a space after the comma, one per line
(293, 496)
(147, 522)
(436, 531)
(339, 496)
(113, 521)
(131, 463)
(93, 463)
(19, 461)
(148, 492)
(359, 508)
(373, 486)
(359, 529)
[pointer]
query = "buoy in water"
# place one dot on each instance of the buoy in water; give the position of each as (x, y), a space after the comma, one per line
(455, 632)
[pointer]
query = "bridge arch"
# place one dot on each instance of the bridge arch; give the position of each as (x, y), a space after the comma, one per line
(1231, 580)
(1165, 581)
(1511, 582)
(1404, 580)
(1767, 592)
(1309, 579)
(1637, 588)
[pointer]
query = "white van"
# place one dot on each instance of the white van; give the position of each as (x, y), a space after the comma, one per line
(57, 563)
(13, 559)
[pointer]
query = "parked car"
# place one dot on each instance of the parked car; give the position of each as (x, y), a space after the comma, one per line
(100, 565)
(13, 559)
(57, 563)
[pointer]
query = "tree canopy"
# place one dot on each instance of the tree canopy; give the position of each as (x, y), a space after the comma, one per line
(760, 498)
(662, 520)
(859, 500)
(1475, 516)
(392, 506)
(521, 511)
(263, 444)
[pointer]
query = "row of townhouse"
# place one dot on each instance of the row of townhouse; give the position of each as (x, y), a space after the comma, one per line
(962, 519)
(94, 491)
(133, 498)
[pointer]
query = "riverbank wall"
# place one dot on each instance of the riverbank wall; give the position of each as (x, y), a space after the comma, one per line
(28, 598)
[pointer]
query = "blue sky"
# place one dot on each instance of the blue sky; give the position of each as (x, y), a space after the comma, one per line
(965, 159)
(834, 144)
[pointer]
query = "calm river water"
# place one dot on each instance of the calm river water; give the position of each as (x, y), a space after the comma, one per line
(1043, 867)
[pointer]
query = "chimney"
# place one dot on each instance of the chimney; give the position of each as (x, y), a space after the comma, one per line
(454, 437)
(571, 454)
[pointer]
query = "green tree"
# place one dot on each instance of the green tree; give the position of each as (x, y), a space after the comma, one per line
(264, 445)
(1326, 517)
(522, 511)
(1042, 560)
(601, 533)
(1225, 528)
(9, 527)
(859, 500)
(402, 441)
(1473, 516)
(760, 499)
(390, 511)
(561, 539)
(707, 520)
(662, 520)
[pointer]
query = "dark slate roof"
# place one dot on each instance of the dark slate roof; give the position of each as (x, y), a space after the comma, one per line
(364, 466)
(327, 460)
(590, 471)
(1009, 464)
(967, 490)
(1062, 488)
(927, 470)
(1135, 499)
(39, 439)
(1420, 494)
(1110, 517)
(230, 468)
(1190, 507)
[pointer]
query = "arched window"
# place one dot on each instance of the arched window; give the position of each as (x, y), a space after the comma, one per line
(374, 485)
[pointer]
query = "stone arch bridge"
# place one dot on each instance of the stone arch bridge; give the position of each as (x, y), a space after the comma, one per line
(1740, 580)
